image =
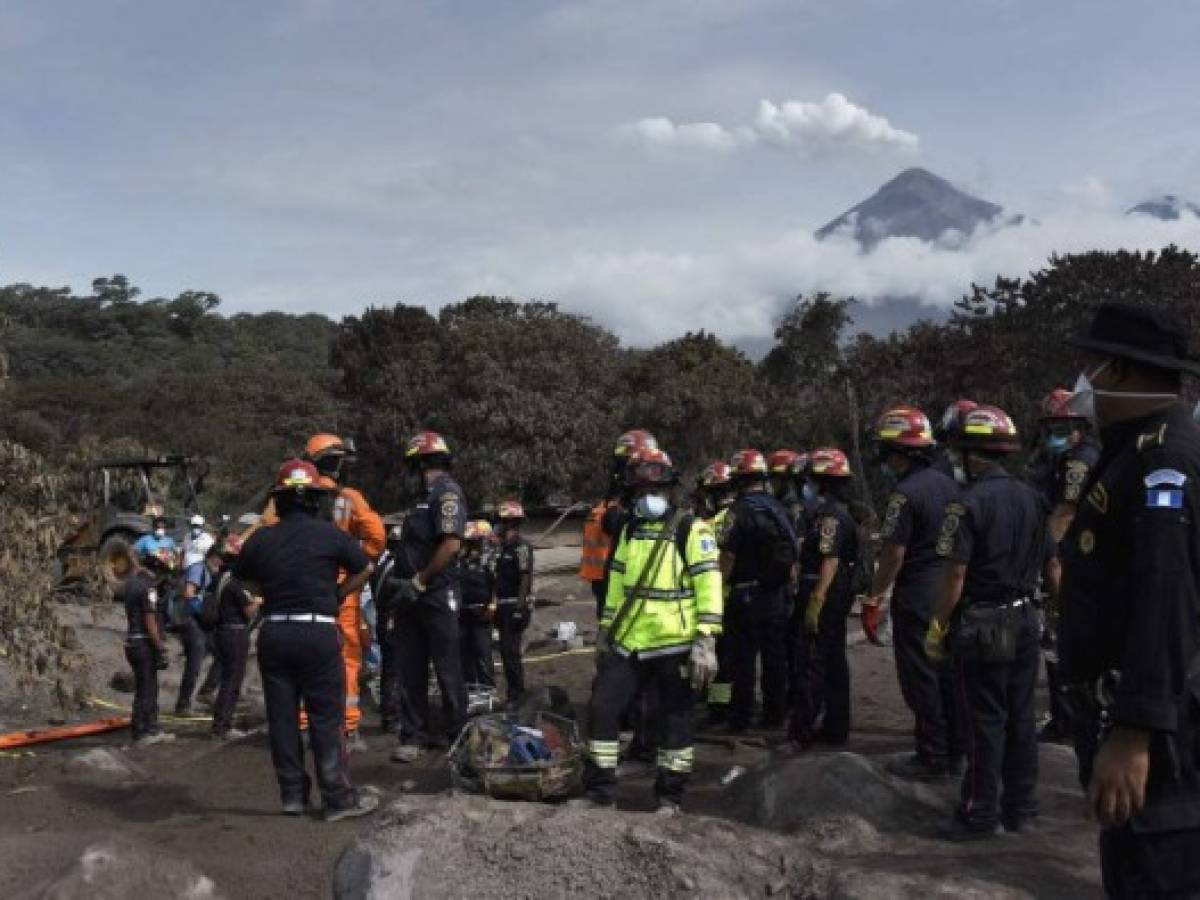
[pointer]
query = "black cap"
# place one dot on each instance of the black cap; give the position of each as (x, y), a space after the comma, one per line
(1143, 334)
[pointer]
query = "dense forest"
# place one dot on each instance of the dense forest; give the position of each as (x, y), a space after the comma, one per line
(530, 396)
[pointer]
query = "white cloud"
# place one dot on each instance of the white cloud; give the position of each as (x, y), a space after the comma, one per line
(1089, 191)
(813, 128)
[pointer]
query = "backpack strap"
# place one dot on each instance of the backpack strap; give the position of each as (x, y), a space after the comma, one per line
(682, 533)
(772, 509)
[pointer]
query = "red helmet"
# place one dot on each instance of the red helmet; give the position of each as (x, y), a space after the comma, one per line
(987, 428)
(510, 509)
(634, 441)
(477, 530)
(952, 418)
(160, 559)
(829, 462)
(904, 426)
(426, 444)
(297, 475)
(230, 546)
(650, 467)
(748, 463)
(1057, 405)
(781, 461)
(715, 474)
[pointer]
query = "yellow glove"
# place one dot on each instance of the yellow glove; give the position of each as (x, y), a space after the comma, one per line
(935, 641)
(812, 613)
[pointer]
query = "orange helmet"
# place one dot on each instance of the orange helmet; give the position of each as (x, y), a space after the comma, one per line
(632, 442)
(510, 509)
(748, 463)
(425, 444)
(715, 474)
(952, 417)
(905, 427)
(780, 462)
(477, 530)
(322, 445)
(297, 475)
(1057, 405)
(829, 462)
(987, 428)
(650, 467)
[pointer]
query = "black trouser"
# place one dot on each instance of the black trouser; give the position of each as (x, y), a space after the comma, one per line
(756, 626)
(475, 648)
(212, 680)
(232, 646)
(427, 630)
(720, 692)
(1141, 865)
(144, 662)
(823, 696)
(600, 592)
(616, 684)
(927, 686)
(512, 621)
(998, 700)
(389, 665)
(194, 642)
(301, 662)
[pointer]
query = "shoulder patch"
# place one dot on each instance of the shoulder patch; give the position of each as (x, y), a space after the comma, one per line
(828, 534)
(1097, 498)
(1164, 489)
(1151, 439)
(945, 541)
(1160, 477)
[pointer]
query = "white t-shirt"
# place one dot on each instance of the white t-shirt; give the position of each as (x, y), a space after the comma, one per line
(196, 548)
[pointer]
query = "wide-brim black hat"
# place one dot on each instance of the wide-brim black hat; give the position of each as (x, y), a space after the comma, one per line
(1139, 333)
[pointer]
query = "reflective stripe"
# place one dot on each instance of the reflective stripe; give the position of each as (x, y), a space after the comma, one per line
(351, 701)
(618, 566)
(701, 567)
(720, 693)
(304, 617)
(506, 601)
(676, 760)
(605, 754)
(657, 651)
(710, 618)
(662, 593)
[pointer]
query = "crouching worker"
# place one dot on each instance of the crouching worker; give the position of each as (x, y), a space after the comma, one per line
(229, 609)
(657, 633)
(479, 604)
(294, 567)
(145, 646)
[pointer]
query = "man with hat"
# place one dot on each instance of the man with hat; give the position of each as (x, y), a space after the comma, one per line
(1129, 637)
(294, 566)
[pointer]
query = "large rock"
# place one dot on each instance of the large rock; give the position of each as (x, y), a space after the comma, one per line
(120, 869)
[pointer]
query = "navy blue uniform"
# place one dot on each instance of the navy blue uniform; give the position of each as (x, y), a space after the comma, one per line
(478, 579)
(1131, 606)
(426, 627)
(821, 703)
(514, 562)
(998, 530)
(913, 520)
(295, 563)
(231, 643)
(757, 610)
(141, 598)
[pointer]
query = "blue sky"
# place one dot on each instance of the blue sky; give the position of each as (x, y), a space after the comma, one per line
(614, 156)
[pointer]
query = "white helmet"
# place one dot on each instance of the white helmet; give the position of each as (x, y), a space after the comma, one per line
(196, 521)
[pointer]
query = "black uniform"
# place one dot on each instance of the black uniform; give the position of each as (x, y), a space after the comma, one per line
(513, 563)
(1131, 616)
(383, 594)
(821, 702)
(296, 564)
(758, 608)
(913, 520)
(231, 641)
(998, 530)
(478, 577)
(426, 627)
(192, 637)
(141, 598)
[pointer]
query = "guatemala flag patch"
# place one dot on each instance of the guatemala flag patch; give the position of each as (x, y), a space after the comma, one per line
(1164, 489)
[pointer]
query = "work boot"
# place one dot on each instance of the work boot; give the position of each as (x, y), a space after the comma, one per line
(230, 734)
(366, 803)
(666, 808)
(958, 830)
(206, 698)
(355, 742)
(918, 768)
(183, 710)
(297, 807)
(154, 737)
(407, 753)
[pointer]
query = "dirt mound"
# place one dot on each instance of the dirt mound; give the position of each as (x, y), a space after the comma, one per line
(117, 869)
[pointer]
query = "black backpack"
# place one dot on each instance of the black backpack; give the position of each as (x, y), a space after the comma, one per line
(777, 556)
(210, 603)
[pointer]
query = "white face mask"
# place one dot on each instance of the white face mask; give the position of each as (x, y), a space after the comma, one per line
(1083, 398)
(160, 532)
(651, 506)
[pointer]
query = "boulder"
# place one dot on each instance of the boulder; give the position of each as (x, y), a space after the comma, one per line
(118, 869)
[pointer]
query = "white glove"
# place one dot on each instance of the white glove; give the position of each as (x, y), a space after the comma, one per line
(702, 663)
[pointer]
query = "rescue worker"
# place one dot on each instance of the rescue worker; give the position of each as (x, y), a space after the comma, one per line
(780, 467)
(197, 543)
(476, 571)
(157, 539)
(994, 543)
(236, 610)
(295, 566)
(384, 595)
(758, 559)
(821, 702)
(352, 513)
(909, 571)
(658, 632)
(197, 579)
(605, 519)
(948, 425)
(1129, 636)
(514, 579)
(428, 597)
(714, 495)
(145, 646)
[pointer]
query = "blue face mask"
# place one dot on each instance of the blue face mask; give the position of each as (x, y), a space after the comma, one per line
(651, 506)
(1056, 443)
(810, 494)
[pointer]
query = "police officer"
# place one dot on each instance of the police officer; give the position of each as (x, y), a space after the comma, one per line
(714, 496)
(145, 647)
(821, 702)
(514, 578)
(476, 571)
(1131, 603)
(236, 610)
(910, 570)
(428, 598)
(662, 614)
(294, 566)
(758, 558)
(994, 543)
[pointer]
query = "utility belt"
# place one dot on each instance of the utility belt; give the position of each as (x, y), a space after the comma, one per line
(313, 618)
(987, 632)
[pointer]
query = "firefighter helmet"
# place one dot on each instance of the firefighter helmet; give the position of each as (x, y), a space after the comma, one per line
(426, 444)
(477, 530)
(800, 465)
(781, 461)
(650, 467)
(951, 421)
(829, 462)
(634, 441)
(715, 474)
(748, 463)
(510, 509)
(987, 428)
(904, 427)
(160, 559)
(297, 475)
(322, 445)
(1057, 405)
